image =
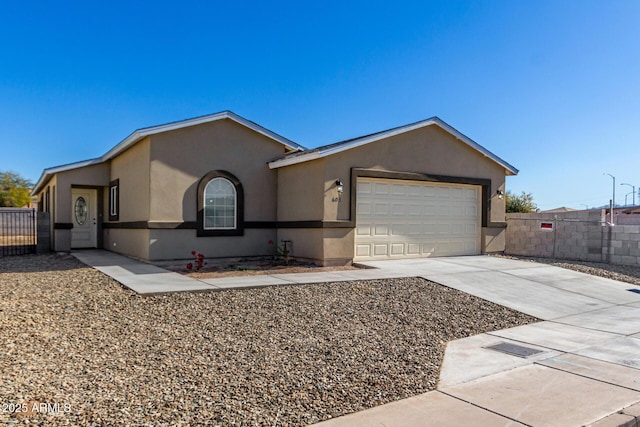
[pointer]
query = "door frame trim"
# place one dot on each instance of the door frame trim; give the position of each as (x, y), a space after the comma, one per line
(99, 211)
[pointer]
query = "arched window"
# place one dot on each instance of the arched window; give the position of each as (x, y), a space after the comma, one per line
(220, 201)
(220, 205)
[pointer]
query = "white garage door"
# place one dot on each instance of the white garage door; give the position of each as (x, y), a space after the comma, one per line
(412, 219)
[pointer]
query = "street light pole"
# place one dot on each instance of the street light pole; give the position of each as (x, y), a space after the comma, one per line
(634, 192)
(625, 199)
(613, 201)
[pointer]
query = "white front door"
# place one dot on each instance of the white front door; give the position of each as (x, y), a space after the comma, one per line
(84, 212)
(413, 219)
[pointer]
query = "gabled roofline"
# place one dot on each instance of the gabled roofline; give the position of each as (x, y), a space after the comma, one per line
(47, 173)
(144, 132)
(328, 150)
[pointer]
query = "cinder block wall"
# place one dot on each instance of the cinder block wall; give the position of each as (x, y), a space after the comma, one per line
(633, 219)
(624, 246)
(581, 235)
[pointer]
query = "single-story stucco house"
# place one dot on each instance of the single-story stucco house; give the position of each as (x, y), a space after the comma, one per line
(225, 186)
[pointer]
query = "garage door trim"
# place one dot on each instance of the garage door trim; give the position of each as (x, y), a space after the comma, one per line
(416, 219)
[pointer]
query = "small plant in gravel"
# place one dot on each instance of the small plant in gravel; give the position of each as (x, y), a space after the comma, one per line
(282, 252)
(198, 262)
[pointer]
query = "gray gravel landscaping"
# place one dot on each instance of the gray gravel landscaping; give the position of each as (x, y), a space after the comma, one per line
(98, 354)
(623, 273)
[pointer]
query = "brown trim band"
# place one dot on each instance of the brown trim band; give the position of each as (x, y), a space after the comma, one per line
(314, 224)
(192, 225)
(152, 225)
(356, 173)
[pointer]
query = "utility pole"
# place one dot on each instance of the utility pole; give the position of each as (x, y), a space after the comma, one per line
(613, 200)
(634, 193)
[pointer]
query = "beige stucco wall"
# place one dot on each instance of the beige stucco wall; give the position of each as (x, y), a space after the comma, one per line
(159, 178)
(131, 242)
(180, 158)
(429, 150)
(158, 184)
(60, 202)
(323, 246)
(94, 176)
(493, 239)
(301, 191)
(338, 246)
(307, 243)
(131, 168)
(178, 244)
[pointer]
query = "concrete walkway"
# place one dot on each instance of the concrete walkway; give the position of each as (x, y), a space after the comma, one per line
(579, 366)
(147, 279)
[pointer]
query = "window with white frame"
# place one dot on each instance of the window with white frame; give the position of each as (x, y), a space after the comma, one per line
(114, 200)
(220, 203)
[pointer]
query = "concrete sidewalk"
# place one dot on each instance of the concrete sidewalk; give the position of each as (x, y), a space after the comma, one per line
(580, 365)
(147, 279)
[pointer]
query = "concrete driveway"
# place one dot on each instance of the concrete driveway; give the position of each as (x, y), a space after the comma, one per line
(580, 365)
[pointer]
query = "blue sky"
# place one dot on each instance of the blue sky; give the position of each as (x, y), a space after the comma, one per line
(552, 87)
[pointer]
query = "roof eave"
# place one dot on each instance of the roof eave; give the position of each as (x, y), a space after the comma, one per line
(48, 173)
(312, 155)
(509, 169)
(142, 133)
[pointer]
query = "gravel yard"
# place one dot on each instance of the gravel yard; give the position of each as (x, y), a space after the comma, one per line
(98, 354)
(623, 273)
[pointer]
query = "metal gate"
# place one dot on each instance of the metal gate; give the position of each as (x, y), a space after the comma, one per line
(17, 231)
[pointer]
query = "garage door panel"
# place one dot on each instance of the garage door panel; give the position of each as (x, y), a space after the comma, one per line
(470, 194)
(381, 230)
(413, 209)
(363, 230)
(471, 211)
(471, 229)
(381, 189)
(456, 194)
(443, 193)
(413, 248)
(399, 190)
(398, 210)
(398, 229)
(364, 208)
(381, 208)
(398, 249)
(380, 249)
(365, 187)
(396, 219)
(443, 229)
(414, 191)
(363, 250)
